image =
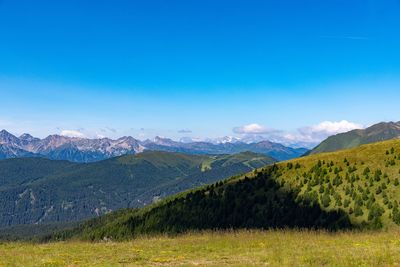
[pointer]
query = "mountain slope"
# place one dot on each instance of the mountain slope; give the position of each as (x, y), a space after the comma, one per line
(358, 187)
(37, 190)
(378, 132)
(75, 149)
(7, 152)
(275, 150)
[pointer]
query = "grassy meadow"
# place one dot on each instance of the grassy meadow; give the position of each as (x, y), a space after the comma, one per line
(241, 248)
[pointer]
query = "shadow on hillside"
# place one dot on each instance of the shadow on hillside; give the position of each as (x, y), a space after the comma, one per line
(259, 203)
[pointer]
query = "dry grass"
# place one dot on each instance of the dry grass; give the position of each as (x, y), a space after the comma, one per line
(243, 248)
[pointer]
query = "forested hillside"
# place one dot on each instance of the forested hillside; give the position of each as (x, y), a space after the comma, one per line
(37, 190)
(350, 188)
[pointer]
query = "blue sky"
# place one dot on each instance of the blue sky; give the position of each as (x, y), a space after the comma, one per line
(146, 68)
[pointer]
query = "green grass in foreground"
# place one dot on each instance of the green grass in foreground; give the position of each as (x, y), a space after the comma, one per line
(242, 248)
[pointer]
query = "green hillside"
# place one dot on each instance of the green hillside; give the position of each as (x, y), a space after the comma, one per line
(37, 190)
(376, 133)
(350, 188)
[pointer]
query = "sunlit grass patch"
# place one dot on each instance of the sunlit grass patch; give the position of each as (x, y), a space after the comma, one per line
(228, 248)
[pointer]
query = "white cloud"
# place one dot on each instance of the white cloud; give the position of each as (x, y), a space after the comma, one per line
(252, 128)
(72, 133)
(327, 128)
(184, 131)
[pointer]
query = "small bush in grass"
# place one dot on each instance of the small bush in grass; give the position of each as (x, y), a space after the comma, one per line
(383, 186)
(358, 211)
(325, 200)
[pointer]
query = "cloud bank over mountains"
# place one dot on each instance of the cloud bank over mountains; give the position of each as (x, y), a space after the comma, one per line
(326, 128)
(252, 128)
(306, 136)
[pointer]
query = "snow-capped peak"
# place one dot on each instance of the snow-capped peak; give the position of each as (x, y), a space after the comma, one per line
(226, 139)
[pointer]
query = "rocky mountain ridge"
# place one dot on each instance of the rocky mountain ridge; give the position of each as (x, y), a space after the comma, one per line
(77, 149)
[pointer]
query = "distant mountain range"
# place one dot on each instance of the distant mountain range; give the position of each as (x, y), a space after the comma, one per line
(38, 190)
(378, 132)
(76, 149)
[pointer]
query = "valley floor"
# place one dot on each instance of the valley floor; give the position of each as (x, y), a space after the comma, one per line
(243, 248)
